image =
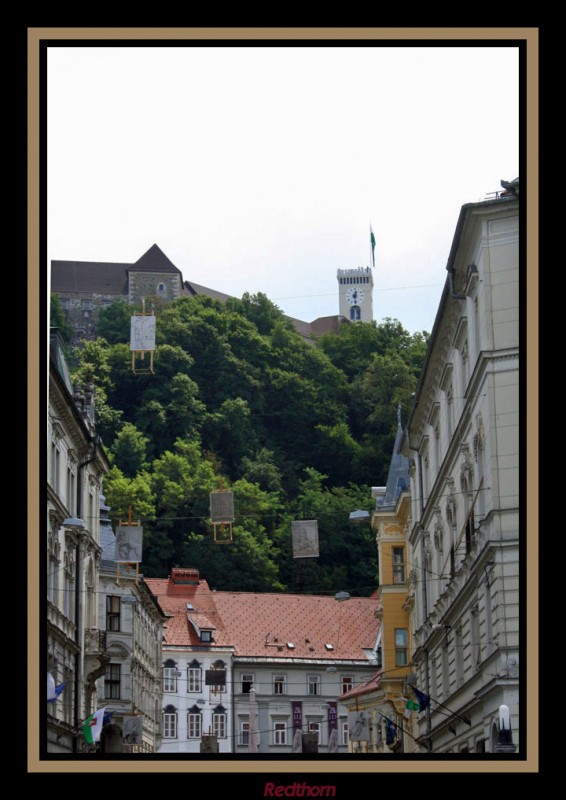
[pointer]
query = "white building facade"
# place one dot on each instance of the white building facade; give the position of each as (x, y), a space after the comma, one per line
(463, 441)
(76, 465)
(295, 696)
(130, 623)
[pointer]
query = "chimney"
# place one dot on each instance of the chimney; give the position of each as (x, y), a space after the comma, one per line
(184, 576)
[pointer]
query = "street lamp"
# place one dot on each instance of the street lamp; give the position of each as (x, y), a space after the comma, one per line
(359, 516)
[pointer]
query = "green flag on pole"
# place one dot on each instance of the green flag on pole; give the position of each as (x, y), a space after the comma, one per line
(412, 705)
(372, 242)
(92, 726)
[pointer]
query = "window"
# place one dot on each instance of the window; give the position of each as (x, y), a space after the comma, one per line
(194, 724)
(355, 313)
(279, 684)
(347, 683)
(313, 684)
(87, 304)
(445, 674)
(398, 565)
(206, 636)
(344, 738)
(194, 679)
(161, 289)
(401, 647)
(280, 733)
(247, 683)
(170, 723)
(112, 612)
(475, 637)
(459, 655)
(219, 722)
(244, 733)
(112, 682)
(315, 727)
(169, 676)
(65, 303)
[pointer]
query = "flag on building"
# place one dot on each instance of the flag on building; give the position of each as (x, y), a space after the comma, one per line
(53, 691)
(372, 242)
(390, 731)
(424, 699)
(92, 726)
(412, 705)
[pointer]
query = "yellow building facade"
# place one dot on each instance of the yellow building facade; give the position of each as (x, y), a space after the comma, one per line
(383, 698)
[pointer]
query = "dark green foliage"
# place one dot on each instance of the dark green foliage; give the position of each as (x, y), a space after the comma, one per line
(58, 320)
(114, 322)
(240, 399)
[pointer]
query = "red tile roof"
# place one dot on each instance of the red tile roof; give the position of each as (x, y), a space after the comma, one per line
(252, 622)
(368, 685)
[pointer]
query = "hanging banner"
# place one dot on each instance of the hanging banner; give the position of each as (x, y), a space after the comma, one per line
(129, 540)
(358, 726)
(132, 729)
(297, 707)
(142, 333)
(332, 717)
(222, 506)
(305, 538)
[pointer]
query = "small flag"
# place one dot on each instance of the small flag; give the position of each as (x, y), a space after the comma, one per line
(372, 242)
(412, 705)
(53, 691)
(390, 731)
(92, 726)
(424, 699)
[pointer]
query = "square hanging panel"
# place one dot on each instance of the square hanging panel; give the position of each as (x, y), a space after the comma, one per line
(129, 540)
(222, 506)
(305, 538)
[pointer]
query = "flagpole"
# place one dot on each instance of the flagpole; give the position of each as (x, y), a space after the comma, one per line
(453, 713)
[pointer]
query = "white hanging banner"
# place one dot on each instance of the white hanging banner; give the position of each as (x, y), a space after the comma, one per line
(132, 730)
(142, 333)
(305, 538)
(358, 726)
(129, 539)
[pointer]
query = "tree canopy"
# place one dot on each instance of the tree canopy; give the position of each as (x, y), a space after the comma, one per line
(240, 400)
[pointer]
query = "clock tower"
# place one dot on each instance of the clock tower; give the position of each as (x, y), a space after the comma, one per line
(355, 287)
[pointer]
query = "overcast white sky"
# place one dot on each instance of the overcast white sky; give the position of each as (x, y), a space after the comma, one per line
(261, 168)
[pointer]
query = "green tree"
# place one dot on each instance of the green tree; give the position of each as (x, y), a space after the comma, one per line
(114, 322)
(130, 450)
(249, 562)
(57, 319)
(260, 468)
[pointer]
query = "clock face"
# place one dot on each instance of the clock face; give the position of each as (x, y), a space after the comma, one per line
(355, 296)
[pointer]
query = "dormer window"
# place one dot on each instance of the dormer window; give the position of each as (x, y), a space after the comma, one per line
(206, 636)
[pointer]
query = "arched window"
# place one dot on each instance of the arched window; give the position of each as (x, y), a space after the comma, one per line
(169, 722)
(219, 722)
(194, 676)
(169, 676)
(355, 313)
(194, 723)
(161, 290)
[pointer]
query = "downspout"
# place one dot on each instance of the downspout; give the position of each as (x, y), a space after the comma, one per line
(78, 593)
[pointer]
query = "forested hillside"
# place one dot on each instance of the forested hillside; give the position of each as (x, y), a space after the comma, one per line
(240, 400)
